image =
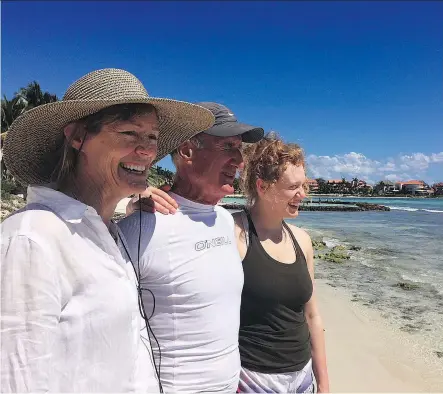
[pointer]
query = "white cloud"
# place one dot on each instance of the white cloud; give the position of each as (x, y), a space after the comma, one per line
(391, 177)
(417, 161)
(355, 164)
(390, 166)
(437, 157)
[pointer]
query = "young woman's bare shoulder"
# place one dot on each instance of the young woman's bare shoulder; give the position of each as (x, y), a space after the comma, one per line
(301, 235)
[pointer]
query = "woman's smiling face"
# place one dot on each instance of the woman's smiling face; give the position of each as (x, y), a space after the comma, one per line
(287, 193)
(118, 158)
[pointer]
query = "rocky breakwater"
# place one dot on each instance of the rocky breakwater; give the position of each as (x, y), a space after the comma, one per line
(364, 206)
(332, 207)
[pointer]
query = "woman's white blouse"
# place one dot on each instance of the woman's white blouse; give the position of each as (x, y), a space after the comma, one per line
(70, 320)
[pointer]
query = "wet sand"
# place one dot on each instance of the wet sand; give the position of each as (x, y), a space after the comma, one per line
(365, 354)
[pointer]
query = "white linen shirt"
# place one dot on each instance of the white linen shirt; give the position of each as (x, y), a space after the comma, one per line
(70, 320)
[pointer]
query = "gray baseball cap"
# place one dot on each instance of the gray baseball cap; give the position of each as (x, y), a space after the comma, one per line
(227, 125)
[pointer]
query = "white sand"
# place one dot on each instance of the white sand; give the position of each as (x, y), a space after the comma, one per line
(121, 206)
(366, 354)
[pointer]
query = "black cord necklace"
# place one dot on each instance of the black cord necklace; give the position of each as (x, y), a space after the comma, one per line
(141, 304)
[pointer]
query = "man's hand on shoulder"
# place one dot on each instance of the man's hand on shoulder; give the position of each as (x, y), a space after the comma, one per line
(153, 200)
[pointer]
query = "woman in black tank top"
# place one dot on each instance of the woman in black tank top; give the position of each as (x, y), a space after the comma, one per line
(281, 336)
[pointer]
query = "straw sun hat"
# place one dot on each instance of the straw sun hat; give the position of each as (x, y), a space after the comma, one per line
(34, 138)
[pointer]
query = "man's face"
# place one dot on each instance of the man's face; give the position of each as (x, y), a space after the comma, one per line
(215, 163)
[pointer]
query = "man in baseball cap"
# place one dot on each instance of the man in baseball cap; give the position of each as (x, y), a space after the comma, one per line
(227, 125)
(190, 263)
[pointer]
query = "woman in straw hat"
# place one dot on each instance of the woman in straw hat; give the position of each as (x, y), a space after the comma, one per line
(70, 310)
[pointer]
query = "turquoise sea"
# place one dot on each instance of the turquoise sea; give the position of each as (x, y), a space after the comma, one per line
(404, 245)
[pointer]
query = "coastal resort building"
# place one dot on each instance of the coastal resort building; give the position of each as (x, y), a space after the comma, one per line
(415, 187)
(438, 189)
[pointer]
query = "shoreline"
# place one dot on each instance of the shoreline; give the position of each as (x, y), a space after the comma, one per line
(350, 196)
(367, 354)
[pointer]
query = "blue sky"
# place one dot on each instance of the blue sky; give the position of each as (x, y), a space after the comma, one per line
(358, 84)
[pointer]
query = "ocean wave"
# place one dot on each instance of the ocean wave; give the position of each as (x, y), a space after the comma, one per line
(368, 263)
(409, 209)
(331, 242)
(413, 279)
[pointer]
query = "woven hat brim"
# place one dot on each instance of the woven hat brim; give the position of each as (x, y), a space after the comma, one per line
(35, 137)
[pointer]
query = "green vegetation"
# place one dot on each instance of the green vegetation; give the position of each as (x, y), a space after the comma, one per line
(158, 176)
(407, 285)
(338, 254)
(9, 204)
(25, 99)
(318, 245)
(358, 187)
(342, 186)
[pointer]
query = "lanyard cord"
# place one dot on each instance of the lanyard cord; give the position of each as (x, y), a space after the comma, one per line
(141, 304)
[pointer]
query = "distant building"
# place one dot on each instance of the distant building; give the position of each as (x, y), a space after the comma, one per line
(389, 187)
(335, 181)
(438, 189)
(415, 187)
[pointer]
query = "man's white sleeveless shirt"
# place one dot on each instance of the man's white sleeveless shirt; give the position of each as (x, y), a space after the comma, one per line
(191, 264)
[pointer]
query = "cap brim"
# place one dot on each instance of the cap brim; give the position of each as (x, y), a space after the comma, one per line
(248, 133)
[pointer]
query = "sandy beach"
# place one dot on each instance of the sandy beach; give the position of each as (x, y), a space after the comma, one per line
(365, 354)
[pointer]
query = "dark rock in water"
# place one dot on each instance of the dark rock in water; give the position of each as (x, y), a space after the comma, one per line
(410, 328)
(232, 205)
(356, 248)
(355, 207)
(318, 244)
(328, 208)
(372, 207)
(407, 285)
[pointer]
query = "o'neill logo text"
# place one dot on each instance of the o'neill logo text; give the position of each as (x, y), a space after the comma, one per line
(212, 243)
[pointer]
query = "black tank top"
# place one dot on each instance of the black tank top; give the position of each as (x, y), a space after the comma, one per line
(274, 336)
